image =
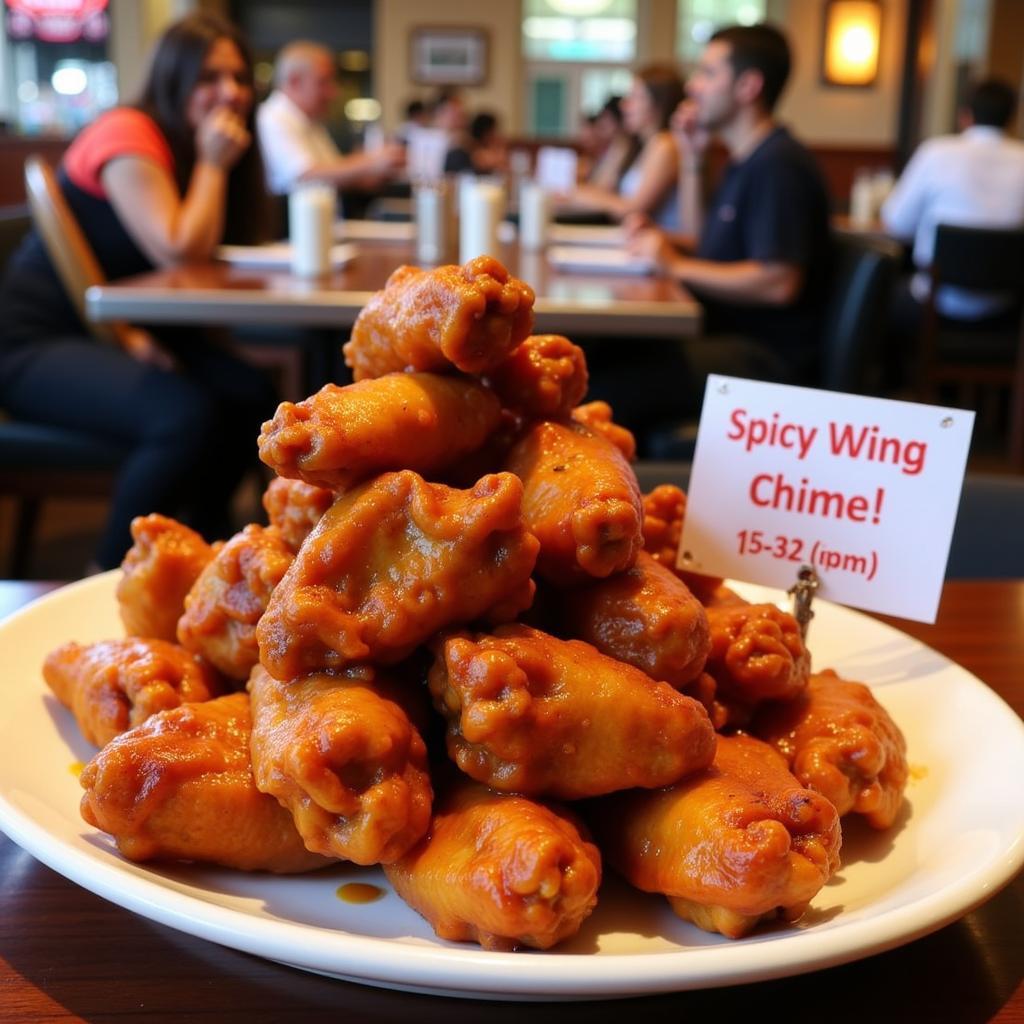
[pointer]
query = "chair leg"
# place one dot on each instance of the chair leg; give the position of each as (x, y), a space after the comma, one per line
(26, 518)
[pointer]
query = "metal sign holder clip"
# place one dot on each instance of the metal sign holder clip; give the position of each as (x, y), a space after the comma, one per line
(802, 592)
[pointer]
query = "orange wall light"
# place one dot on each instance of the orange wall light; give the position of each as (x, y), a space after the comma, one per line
(853, 32)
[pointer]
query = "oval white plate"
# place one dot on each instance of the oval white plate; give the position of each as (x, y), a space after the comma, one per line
(961, 839)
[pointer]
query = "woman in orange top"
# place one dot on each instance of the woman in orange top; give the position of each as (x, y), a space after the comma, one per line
(158, 184)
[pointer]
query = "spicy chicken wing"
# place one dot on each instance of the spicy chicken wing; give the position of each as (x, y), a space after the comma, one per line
(541, 716)
(730, 846)
(580, 500)
(342, 435)
(470, 317)
(664, 512)
(543, 379)
(756, 654)
(294, 508)
(115, 684)
(158, 571)
(840, 742)
(344, 759)
(230, 596)
(179, 787)
(390, 564)
(500, 870)
(644, 616)
(597, 416)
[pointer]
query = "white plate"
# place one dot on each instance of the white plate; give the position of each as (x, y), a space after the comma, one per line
(962, 838)
(597, 260)
(278, 255)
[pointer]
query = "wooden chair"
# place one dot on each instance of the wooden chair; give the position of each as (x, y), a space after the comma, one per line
(38, 461)
(988, 352)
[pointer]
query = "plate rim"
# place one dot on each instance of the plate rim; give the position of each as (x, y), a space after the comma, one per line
(469, 972)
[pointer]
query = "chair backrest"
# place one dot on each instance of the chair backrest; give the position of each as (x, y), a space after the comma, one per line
(985, 259)
(864, 271)
(15, 222)
(986, 541)
(66, 245)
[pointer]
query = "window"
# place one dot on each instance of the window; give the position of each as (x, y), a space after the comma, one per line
(699, 19)
(579, 30)
(577, 54)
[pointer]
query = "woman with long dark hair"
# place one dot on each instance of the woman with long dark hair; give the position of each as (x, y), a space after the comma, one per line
(156, 184)
(648, 185)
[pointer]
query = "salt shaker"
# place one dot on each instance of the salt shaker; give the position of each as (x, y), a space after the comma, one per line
(481, 208)
(534, 215)
(432, 222)
(310, 224)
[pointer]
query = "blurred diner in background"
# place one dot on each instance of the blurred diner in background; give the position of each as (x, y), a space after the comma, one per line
(780, 189)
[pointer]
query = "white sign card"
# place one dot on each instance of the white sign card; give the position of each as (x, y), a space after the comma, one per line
(865, 490)
(556, 169)
(425, 151)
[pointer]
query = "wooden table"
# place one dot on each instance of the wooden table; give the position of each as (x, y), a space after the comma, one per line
(67, 955)
(217, 294)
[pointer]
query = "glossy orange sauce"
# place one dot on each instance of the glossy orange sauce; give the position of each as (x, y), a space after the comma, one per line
(359, 892)
(76, 768)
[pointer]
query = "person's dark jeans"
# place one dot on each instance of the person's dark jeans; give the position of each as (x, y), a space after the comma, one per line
(191, 435)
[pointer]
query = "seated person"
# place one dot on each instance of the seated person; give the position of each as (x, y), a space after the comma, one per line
(758, 258)
(648, 185)
(616, 149)
(485, 151)
(296, 146)
(972, 179)
(158, 184)
(416, 114)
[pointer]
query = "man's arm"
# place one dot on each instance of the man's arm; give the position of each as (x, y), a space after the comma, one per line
(356, 169)
(751, 282)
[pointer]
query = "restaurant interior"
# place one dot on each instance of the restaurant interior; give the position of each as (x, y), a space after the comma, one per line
(574, 174)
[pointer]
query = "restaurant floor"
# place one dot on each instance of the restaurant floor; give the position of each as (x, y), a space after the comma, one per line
(68, 529)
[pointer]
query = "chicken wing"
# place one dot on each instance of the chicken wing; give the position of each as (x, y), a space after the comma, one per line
(597, 416)
(179, 787)
(115, 684)
(390, 564)
(230, 596)
(500, 870)
(294, 508)
(840, 742)
(664, 512)
(158, 571)
(469, 317)
(344, 759)
(730, 846)
(543, 379)
(756, 654)
(342, 435)
(541, 716)
(644, 616)
(580, 500)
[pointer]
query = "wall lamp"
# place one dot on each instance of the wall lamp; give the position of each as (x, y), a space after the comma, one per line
(851, 42)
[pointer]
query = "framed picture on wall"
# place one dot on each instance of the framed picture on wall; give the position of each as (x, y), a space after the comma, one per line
(448, 56)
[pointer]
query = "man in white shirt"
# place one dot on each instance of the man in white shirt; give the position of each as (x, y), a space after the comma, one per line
(296, 146)
(974, 179)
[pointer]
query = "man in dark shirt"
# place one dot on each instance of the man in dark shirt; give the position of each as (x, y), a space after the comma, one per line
(758, 258)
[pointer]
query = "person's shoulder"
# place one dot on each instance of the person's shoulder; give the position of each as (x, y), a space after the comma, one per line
(120, 123)
(277, 110)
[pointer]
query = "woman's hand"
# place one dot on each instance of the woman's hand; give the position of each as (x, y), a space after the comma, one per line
(144, 348)
(222, 138)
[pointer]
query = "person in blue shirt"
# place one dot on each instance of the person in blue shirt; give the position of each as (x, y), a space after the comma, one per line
(757, 256)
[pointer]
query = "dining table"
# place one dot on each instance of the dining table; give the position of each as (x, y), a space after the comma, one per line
(68, 955)
(573, 302)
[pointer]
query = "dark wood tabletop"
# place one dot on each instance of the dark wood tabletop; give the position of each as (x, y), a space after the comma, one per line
(67, 955)
(224, 295)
